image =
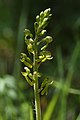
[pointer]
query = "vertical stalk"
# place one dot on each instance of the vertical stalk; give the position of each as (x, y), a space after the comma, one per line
(36, 93)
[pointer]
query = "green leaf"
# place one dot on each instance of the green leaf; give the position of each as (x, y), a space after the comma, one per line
(60, 86)
(51, 107)
(78, 118)
(31, 113)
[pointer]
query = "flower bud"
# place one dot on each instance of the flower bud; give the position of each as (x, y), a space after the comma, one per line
(27, 69)
(48, 39)
(41, 14)
(29, 46)
(46, 12)
(45, 20)
(43, 32)
(37, 18)
(28, 33)
(36, 26)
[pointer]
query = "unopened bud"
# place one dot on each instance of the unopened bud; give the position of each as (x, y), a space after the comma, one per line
(27, 69)
(43, 32)
(41, 14)
(47, 11)
(48, 39)
(37, 18)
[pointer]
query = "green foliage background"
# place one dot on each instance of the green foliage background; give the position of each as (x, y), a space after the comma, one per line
(16, 96)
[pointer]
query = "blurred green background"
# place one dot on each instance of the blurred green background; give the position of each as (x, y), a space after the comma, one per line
(16, 96)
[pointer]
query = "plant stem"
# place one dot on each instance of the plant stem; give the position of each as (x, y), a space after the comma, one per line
(36, 93)
(37, 102)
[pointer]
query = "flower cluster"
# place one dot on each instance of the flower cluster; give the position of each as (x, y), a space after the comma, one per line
(41, 42)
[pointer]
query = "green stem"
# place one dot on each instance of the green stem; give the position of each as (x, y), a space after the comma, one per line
(36, 93)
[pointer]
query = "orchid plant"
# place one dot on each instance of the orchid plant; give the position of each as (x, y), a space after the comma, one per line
(37, 49)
